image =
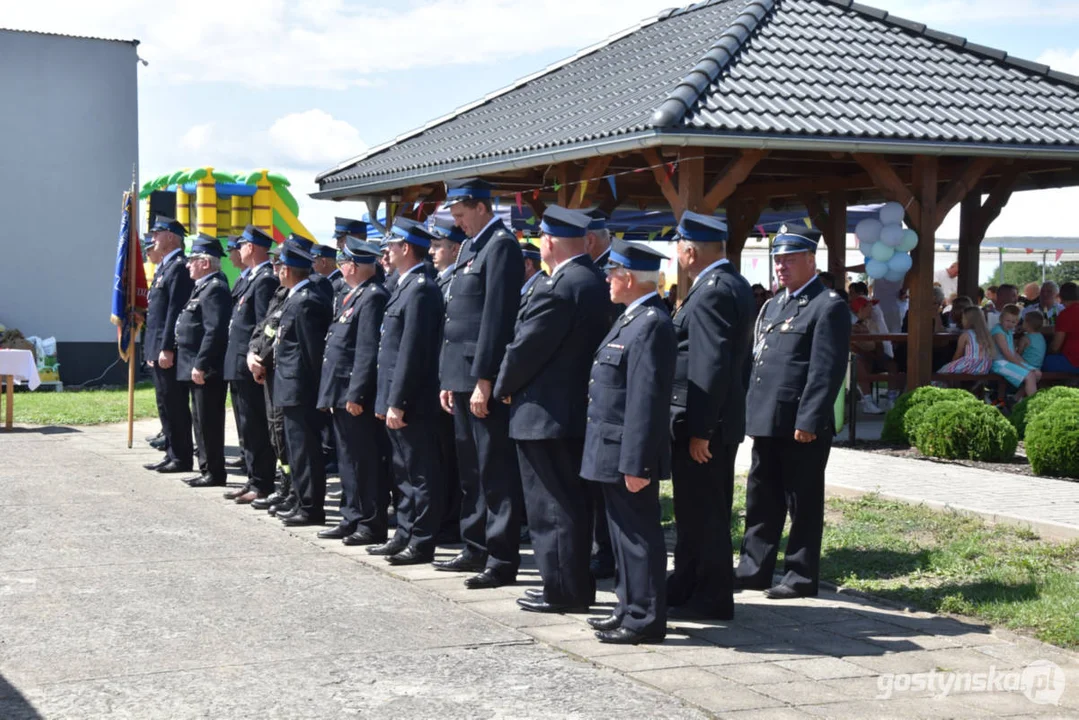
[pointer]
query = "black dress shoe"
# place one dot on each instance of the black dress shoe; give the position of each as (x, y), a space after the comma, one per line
(696, 614)
(611, 622)
(159, 436)
(237, 492)
(463, 562)
(281, 510)
(160, 444)
(173, 466)
(156, 465)
(300, 519)
(625, 636)
(339, 532)
(362, 537)
(542, 606)
(534, 593)
(487, 580)
(275, 498)
(205, 482)
(409, 556)
(392, 547)
(601, 569)
(785, 592)
(286, 511)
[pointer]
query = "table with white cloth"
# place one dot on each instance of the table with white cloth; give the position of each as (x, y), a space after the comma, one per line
(17, 365)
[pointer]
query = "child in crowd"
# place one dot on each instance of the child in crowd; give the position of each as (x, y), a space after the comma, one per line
(1007, 363)
(974, 354)
(1032, 345)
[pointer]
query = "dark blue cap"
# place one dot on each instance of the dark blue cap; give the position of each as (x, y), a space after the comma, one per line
(409, 231)
(599, 219)
(562, 223)
(357, 250)
(147, 241)
(325, 251)
(701, 228)
(232, 243)
(294, 256)
(255, 236)
(207, 245)
(163, 223)
(299, 241)
(795, 239)
(469, 189)
(634, 256)
(446, 230)
(348, 226)
(530, 251)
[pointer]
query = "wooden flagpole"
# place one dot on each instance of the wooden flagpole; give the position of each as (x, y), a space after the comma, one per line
(132, 257)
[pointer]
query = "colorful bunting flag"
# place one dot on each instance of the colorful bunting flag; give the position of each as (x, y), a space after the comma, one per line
(1030, 251)
(557, 186)
(614, 188)
(530, 221)
(620, 235)
(1060, 254)
(666, 229)
(808, 222)
(584, 189)
(520, 207)
(535, 194)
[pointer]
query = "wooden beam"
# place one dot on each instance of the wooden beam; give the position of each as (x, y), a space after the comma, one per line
(730, 178)
(742, 215)
(691, 196)
(962, 186)
(816, 212)
(999, 196)
(593, 174)
(659, 172)
(564, 177)
(431, 201)
(836, 237)
(920, 314)
(889, 183)
(970, 242)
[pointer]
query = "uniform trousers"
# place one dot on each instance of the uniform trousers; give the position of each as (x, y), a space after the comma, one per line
(555, 501)
(418, 477)
(275, 424)
(490, 485)
(785, 477)
(451, 509)
(162, 408)
(601, 535)
(703, 554)
(249, 404)
(364, 483)
(208, 415)
(308, 468)
(641, 554)
(176, 420)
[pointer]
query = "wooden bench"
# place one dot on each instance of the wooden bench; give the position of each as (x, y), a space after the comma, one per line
(951, 379)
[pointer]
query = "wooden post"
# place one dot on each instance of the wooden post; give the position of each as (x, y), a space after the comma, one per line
(690, 196)
(920, 322)
(742, 215)
(970, 242)
(132, 258)
(9, 410)
(837, 237)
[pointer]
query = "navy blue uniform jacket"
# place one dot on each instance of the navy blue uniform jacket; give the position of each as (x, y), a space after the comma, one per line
(407, 354)
(482, 308)
(800, 356)
(629, 397)
(546, 367)
(350, 365)
(249, 309)
(171, 288)
(298, 346)
(202, 330)
(714, 328)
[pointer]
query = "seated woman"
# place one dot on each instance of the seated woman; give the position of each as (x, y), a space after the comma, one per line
(974, 354)
(1032, 345)
(1007, 363)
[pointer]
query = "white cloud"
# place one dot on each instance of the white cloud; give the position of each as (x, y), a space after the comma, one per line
(198, 137)
(1063, 60)
(314, 139)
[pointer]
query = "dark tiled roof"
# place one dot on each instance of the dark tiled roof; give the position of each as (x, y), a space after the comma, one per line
(795, 69)
(64, 35)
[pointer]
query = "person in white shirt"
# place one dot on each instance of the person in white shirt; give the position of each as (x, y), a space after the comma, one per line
(948, 279)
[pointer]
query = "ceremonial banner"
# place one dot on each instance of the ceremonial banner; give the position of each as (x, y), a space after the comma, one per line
(129, 292)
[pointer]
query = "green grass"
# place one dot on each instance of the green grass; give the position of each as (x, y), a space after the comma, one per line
(82, 407)
(944, 562)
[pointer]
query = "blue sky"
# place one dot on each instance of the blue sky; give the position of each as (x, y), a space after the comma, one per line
(298, 86)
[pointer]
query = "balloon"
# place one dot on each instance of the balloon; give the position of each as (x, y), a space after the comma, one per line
(891, 235)
(882, 252)
(868, 230)
(866, 248)
(892, 213)
(894, 276)
(900, 262)
(876, 269)
(909, 241)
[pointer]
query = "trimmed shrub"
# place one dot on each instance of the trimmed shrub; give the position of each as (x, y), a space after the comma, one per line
(1052, 442)
(1027, 409)
(899, 423)
(965, 431)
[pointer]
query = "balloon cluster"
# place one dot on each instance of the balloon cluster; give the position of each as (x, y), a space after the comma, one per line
(886, 244)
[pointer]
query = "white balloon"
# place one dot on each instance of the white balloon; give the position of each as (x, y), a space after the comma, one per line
(900, 262)
(876, 269)
(866, 248)
(882, 252)
(868, 230)
(892, 213)
(891, 235)
(894, 276)
(909, 241)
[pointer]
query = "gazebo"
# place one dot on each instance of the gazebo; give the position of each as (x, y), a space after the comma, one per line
(755, 105)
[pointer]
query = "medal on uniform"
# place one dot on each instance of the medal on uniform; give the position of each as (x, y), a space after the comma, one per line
(803, 301)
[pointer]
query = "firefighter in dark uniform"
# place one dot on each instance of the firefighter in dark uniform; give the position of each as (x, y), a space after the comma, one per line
(627, 442)
(343, 228)
(232, 249)
(708, 418)
(202, 336)
(481, 311)
(169, 292)
(347, 390)
(326, 265)
(407, 397)
(257, 285)
(298, 349)
(800, 351)
(544, 380)
(534, 273)
(318, 281)
(157, 442)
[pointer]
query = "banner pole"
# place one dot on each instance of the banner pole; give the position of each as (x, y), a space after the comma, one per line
(132, 257)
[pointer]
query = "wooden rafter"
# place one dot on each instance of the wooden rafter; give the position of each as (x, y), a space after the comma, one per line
(888, 182)
(998, 198)
(659, 172)
(962, 186)
(733, 175)
(593, 174)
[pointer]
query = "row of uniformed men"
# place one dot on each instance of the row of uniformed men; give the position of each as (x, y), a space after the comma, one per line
(546, 395)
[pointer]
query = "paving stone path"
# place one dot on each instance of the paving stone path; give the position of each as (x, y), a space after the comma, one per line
(126, 594)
